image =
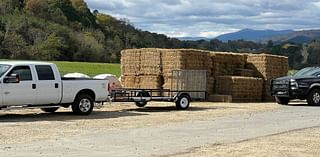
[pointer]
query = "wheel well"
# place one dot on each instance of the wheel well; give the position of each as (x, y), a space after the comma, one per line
(87, 91)
(314, 87)
(186, 94)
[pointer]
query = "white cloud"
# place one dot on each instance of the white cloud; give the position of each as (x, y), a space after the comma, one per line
(212, 17)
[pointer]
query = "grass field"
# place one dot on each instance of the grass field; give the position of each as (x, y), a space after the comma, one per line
(91, 69)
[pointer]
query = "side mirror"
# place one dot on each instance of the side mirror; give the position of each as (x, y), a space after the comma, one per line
(13, 78)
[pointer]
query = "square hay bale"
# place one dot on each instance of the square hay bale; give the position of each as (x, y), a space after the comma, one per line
(130, 81)
(150, 61)
(224, 63)
(150, 81)
(130, 62)
(242, 89)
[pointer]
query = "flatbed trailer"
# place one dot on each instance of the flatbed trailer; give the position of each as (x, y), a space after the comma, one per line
(186, 86)
(142, 96)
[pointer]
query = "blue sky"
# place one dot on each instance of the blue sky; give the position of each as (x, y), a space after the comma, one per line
(209, 18)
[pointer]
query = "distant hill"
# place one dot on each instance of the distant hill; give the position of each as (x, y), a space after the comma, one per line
(304, 36)
(253, 35)
(193, 38)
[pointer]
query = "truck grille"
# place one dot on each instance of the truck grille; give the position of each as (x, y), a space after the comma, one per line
(280, 87)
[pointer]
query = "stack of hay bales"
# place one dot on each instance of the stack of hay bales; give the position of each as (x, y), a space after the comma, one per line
(242, 89)
(267, 67)
(230, 76)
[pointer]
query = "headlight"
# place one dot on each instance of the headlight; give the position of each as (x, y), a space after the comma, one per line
(294, 84)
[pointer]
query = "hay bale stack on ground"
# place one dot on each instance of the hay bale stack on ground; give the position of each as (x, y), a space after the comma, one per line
(242, 89)
(268, 67)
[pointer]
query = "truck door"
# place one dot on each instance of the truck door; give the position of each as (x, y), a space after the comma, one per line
(48, 85)
(22, 93)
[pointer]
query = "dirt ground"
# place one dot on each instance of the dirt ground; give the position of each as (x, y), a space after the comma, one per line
(290, 144)
(25, 126)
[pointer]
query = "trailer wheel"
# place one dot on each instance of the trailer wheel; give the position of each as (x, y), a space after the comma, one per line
(83, 105)
(50, 110)
(142, 103)
(183, 102)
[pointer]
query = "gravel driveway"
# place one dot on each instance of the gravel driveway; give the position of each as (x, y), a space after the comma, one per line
(172, 138)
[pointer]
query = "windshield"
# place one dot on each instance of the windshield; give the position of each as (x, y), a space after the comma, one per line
(310, 71)
(3, 69)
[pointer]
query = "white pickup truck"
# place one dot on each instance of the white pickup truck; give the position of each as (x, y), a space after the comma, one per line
(39, 84)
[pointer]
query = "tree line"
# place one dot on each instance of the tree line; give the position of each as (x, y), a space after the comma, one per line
(67, 30)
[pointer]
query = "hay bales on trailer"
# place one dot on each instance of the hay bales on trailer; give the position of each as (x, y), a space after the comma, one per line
(242, 89)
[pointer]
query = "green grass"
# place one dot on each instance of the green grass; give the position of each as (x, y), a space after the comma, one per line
(91, 69)
(292, 72)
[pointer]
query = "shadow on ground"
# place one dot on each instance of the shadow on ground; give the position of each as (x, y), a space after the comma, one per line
(63, 116)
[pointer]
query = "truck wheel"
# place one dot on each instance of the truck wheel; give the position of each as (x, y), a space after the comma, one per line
(83, 105)
(183, 102)
(313, 97)
(50, 110)
(282, 101)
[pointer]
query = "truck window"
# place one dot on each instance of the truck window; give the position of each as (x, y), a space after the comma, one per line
(24, 73)
(44, 72)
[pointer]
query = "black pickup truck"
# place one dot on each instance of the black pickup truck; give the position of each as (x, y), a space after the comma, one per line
(304, 85)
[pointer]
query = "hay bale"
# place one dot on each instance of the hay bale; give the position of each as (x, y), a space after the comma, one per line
(242, 89)
(130, 62)
(130, 81)
(224, 63)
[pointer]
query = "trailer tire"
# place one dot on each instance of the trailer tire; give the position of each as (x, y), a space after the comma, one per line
(50, 110)
(142, 103)
(183, 102)
(83, 105)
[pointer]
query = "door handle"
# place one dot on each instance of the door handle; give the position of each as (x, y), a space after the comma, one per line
(56, 85)
(34, 86)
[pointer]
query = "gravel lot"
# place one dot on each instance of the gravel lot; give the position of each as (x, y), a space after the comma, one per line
(206, 129)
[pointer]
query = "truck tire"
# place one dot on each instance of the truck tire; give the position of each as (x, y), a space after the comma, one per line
(142, 103)
(282, 101)
(313, 97)
(83, 105)
(183, 102)
(50, 110)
